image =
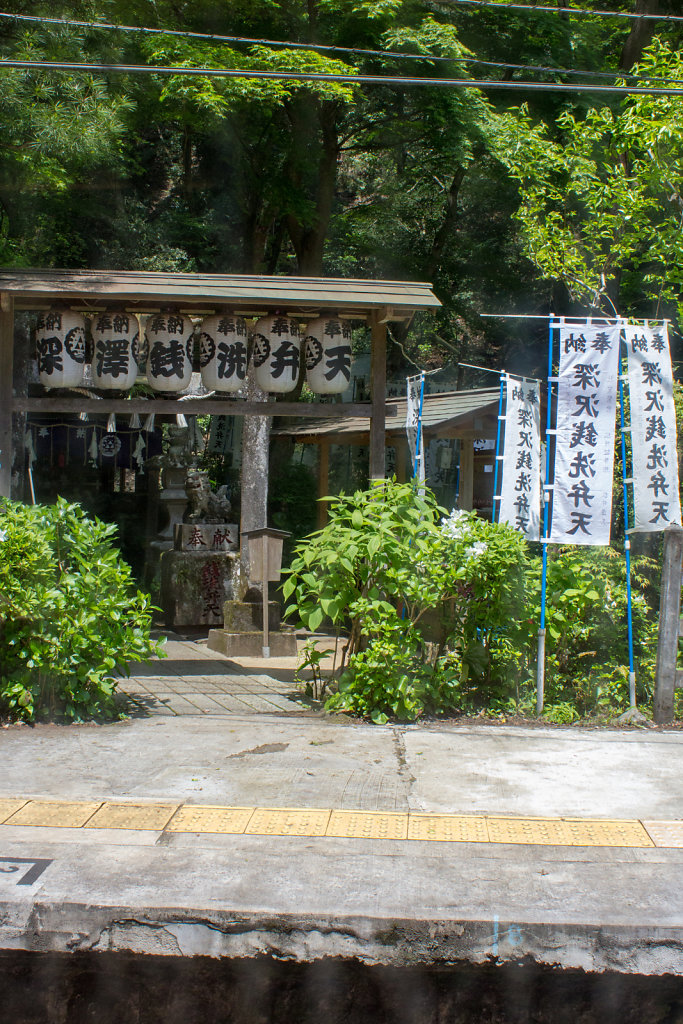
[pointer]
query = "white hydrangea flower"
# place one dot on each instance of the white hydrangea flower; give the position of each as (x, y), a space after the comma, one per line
(477, 549)
(453, 525)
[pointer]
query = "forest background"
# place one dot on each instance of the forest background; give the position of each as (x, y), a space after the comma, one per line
(509, 200)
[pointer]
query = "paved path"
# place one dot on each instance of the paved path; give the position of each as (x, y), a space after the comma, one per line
(193, 680)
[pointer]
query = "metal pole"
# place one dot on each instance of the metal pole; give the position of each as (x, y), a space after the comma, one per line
(498, 455)
(540, 663)
(264, 571)
(627, 549)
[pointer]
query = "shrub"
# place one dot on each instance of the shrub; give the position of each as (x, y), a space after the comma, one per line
(70, 620)
(586, 627)
(428, 600)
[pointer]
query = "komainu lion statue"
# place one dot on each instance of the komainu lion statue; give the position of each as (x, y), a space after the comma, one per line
(203, 506)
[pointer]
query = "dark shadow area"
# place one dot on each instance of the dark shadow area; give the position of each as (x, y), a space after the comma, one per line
(141, 706)
(51, 988)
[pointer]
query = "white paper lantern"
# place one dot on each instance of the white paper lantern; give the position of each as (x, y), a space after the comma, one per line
(327, 355)
(276, 354)
(223, 352)
(169, 346)
(115, 339)
(61, 346)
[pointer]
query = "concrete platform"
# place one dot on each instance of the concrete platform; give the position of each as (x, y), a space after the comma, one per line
(384, 901)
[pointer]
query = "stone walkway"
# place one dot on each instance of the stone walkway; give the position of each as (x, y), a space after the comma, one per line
(193, 680)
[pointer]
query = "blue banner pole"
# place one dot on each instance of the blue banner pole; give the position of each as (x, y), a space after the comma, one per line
(496, 496)
(540, 663)
(627, 546)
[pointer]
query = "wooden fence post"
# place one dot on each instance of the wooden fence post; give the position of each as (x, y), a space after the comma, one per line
(669, 619)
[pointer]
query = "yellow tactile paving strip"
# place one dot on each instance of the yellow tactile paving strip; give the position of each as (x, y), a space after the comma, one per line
(341, 824)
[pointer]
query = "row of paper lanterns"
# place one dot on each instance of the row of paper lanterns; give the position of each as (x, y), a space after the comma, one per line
(278, 349)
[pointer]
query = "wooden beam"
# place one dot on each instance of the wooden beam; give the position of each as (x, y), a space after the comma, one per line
(323, 481)
(6, 392)
(200, 407)
(378, 383)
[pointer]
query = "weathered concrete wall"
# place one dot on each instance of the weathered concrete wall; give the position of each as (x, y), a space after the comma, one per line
(116, 988)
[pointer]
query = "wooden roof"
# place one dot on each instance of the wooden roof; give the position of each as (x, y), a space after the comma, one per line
(246, 294)
(465, 414)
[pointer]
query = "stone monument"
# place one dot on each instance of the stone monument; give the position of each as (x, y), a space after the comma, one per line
(202, 570)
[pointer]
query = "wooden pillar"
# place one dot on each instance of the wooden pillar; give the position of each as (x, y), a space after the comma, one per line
(402, 455)
(6, 392)
(323, 481)
(466, 488)
(378, 374)
(669, 612)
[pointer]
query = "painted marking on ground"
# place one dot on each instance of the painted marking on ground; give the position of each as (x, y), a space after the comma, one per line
(666, 833)
(341, 824)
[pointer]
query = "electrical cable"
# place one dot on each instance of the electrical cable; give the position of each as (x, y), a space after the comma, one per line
(319, 47)
(582, 12)
(306, 76)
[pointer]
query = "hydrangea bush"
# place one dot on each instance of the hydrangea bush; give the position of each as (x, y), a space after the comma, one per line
(70, 617)
(429, 599)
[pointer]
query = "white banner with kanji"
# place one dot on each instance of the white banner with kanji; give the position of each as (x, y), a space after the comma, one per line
(584, 443)
(414, 388)
(653, 429)
(520, 491)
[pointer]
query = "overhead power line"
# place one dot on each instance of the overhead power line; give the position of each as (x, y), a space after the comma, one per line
(316, 47)
(582, 12)
(310, 76)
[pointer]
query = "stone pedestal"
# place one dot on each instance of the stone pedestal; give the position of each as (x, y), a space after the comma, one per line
(242, 633)
(195, 585)
(250, 645)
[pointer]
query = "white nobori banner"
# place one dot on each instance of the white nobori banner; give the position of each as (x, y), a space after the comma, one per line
(520, 492)
(414, 389)
(584, 448)
(653, 429)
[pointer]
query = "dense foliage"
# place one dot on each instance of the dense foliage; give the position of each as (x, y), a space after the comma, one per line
(429, 600)
(441, 613)
(155, 172)
(70, 619)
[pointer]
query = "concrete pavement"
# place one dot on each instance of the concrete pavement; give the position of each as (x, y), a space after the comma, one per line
(508, 895)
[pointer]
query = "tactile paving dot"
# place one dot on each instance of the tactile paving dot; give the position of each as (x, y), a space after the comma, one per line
(606, 832)
(54, 813)
(449, 828)
(226, 820)
(8, 807)
(367, 825)
(288, 821)
(529, 831)
(665, 833)
(152, 817)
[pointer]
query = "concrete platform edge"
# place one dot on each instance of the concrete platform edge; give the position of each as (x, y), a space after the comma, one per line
(74, 928)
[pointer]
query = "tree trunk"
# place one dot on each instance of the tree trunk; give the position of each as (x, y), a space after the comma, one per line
(641, 34)
(314, 127)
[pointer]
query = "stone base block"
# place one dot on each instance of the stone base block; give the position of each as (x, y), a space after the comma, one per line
(195, 585)
(247, 616)
(250, 645)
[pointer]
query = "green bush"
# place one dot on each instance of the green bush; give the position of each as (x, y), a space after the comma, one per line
(586, 628)
(70, 619)
(429, 601)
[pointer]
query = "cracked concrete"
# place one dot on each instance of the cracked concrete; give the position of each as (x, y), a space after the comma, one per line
(384, 902)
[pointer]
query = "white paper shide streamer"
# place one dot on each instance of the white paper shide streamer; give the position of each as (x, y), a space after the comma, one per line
(520, 494)
(413, 388)
(653, 429)
(584, 451)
